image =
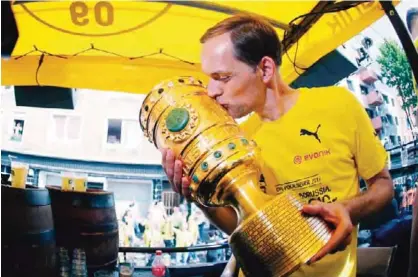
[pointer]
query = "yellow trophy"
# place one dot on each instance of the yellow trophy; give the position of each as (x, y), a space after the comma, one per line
(273, 237)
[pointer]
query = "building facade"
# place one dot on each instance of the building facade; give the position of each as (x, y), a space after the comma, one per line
(100, 137)
(396, 128)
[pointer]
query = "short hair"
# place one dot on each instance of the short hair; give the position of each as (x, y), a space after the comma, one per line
(411, 15)
(252, 37)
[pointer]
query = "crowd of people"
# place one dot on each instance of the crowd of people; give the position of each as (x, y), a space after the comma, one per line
(181, 226)
(187, 226)
(405, 196)
(393, 217)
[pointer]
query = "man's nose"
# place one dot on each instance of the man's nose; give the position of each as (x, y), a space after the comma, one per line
(213, 89)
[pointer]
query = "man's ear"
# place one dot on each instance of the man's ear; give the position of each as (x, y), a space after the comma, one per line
(268, 69)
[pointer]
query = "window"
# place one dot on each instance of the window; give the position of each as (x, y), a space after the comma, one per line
(396, 120)
(31, 177)
(66, 127)
(131, 133)
(390, 118)
(124, 132)
(114, 131)
(95, 185)
(170, 199)
(392, 139)
(385, 98)
(393, 102)
(73, 127)
(350, 85)
(59, 124)
(18, 128)
(364, 90)
(370, 113)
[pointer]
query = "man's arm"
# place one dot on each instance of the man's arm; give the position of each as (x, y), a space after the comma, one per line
(379, 194)
(345, 214)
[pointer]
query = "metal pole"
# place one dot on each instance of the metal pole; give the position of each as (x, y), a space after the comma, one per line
(403, 34)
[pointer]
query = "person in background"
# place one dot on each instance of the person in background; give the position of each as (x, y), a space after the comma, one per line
(140, 227)
(128, 222)
(412, 23)
(183, 239)
(410, 196)
(155, 239)
(398, 191)
(177, 218)
(404, 203)
(168, 234)
(242, 57)
(194, 234)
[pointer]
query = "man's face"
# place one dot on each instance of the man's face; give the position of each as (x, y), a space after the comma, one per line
(236, 86)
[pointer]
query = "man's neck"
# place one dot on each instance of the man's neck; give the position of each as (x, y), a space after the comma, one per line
(280, 98)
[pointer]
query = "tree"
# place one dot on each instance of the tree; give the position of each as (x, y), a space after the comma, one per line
(397, 73)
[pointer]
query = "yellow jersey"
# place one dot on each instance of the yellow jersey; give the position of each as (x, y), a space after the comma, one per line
(318, 150)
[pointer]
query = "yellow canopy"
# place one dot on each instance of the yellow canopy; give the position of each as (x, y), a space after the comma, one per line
(132, 45)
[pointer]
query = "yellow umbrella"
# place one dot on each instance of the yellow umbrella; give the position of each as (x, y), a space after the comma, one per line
(132, 45)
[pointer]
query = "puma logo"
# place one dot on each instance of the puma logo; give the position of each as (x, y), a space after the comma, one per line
(304, 132)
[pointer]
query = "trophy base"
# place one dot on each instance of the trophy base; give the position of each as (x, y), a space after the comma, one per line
(278, 239)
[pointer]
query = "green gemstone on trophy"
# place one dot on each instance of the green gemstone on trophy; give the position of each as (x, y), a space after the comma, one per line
(231, 146)
(195, 178)
(244, 141)
(177, 119)
(218, 154)
(204, 166)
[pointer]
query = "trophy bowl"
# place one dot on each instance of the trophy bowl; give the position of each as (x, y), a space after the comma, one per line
(273, 237)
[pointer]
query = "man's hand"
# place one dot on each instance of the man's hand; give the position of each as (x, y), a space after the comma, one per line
(173, 168)
(336, 215)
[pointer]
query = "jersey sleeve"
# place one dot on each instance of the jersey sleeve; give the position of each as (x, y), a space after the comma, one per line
(369, 154)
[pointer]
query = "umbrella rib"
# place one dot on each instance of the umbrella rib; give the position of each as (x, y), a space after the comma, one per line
(323, 7)
(298, 30)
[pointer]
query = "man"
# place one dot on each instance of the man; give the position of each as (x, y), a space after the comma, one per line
(315, 142)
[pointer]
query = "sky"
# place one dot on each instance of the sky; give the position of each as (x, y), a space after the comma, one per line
(383, 28)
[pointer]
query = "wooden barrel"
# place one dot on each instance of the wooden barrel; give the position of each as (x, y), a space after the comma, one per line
(87, 220)
(27, 232)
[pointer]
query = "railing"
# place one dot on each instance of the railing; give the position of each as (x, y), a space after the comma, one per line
(411, 149)
(375, 98)
(149, 250)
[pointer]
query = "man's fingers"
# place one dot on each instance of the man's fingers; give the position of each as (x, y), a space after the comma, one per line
(343, 245)
(339, 235)
(312, 209)
(169, 165)
(185, 187)
(178, 174)
(164, 155)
